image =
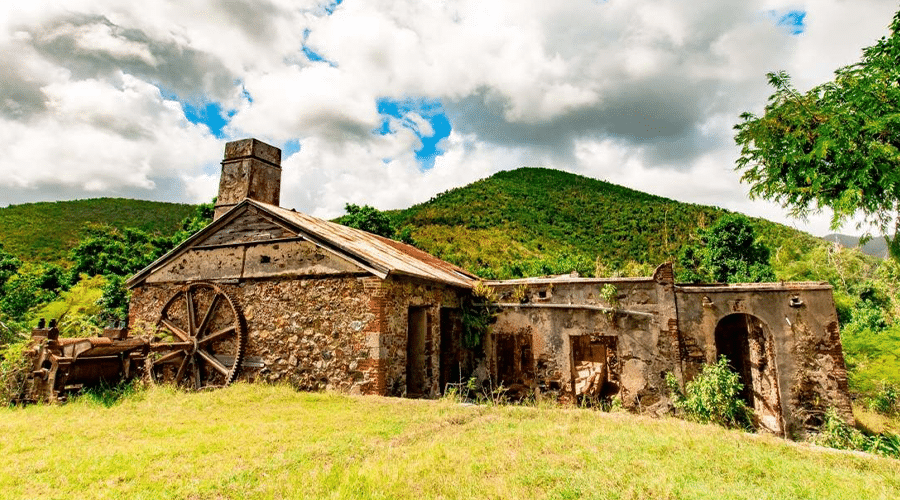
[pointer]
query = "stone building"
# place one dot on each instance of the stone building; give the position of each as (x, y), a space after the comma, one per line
(286, 296)
(270, 293)
(619, 337)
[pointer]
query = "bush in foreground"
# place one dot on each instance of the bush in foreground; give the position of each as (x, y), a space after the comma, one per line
(714, 396)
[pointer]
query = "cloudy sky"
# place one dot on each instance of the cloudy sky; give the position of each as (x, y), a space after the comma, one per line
(388, 102)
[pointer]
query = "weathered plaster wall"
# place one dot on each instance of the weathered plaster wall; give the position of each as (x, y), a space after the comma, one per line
(551, 314)
(802, 322)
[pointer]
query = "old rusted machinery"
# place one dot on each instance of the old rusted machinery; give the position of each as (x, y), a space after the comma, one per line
(197, 342)
(199, 338)
(62, 365)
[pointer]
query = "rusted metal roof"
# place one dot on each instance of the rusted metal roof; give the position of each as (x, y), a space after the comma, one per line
(383, 254)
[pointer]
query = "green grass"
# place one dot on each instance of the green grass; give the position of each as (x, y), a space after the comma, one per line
(47, 231)
(272, 442)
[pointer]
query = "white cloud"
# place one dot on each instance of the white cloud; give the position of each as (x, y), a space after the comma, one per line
(641, 92)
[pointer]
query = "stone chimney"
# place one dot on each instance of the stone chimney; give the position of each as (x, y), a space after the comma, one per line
(251, 169)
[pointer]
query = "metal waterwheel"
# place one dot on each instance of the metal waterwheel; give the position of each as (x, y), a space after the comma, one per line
(199, 338)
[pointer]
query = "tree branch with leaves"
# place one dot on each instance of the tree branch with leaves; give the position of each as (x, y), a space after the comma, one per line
(835, 146)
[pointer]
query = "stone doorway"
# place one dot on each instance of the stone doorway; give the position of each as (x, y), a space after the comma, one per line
(595, 371)
(451, 353)
(515, 364)
(747, 343)
(415, 352)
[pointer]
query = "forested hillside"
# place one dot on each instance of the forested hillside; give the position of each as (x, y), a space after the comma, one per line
(533, 214)
(47, 231)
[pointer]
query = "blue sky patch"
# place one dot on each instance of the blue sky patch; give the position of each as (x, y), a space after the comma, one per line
(429, 109)
(330, 7)
(290, 147)
(793, 20)
(312, 55)
(210, 114)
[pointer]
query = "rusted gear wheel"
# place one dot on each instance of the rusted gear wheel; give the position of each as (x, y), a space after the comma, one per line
(199, 339)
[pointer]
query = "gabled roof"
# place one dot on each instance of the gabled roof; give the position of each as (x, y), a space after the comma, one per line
(381, 256)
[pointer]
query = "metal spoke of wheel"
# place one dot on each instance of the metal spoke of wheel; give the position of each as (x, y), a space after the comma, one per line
(224, 332)
(192, 319)
(210, 312)
(169, 357)
(181, 368)
(214, 362)
(166, 322)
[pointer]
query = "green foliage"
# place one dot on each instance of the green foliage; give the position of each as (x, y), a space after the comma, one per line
(714, 396)
(368, 219)
(551, 265)
(201, 217)
(886, 401)
(76, 309)
(9, 265)
(105, 250)
(630, 269)
(13, 370)
(478, 313)
(538, 221)
(110, 395)
(728, 252)
(102, 250)
(46, 232)
(113, 300)
(32, 285)
(835, 433)
(610, 294)
(873, 357)
(834, 146)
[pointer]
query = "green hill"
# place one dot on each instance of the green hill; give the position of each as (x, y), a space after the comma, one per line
(487, 226)
(46, 231)
(534, 213)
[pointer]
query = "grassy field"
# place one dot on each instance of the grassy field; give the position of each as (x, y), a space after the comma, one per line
(272, 442)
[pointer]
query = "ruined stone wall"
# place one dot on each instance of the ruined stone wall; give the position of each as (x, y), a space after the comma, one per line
(314, 333)
(396, 296)
(555, 314)
(800, 324)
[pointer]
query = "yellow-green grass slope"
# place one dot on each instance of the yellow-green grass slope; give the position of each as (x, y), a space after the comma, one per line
(46, 231)
(271, 442)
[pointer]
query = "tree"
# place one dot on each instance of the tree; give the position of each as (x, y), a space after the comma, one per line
(368, 219)
(9, 265)
(835, 146)
(728, 252)
(106, 250)
(32, 285)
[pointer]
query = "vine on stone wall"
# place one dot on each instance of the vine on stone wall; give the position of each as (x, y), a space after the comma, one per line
(479, 311)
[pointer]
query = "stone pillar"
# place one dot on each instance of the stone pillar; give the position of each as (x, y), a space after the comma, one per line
(251, 169)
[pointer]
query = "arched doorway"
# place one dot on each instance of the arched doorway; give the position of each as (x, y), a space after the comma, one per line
(747, 343)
